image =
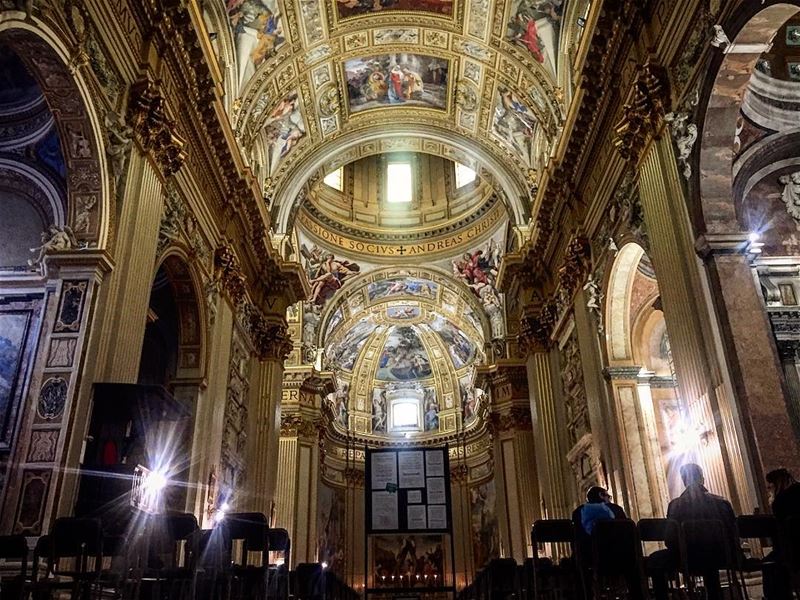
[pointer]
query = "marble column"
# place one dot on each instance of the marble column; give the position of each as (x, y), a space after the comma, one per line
(687, 317)
(748, 339)
(514, 464)
(556, 483)
(264, 413)
(126, 298)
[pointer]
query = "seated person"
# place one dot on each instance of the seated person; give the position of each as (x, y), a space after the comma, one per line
(785, 494)
(695, 503)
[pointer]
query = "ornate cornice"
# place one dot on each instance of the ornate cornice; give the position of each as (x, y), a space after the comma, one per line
(643, 114)
(155, 131)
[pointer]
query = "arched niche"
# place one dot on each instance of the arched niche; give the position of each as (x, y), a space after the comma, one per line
(174, 343)
(751, 29)
(79, 128)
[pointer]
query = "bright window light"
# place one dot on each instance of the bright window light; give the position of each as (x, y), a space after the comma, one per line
(398, 182)
(464, 175)
(405, 414)
(335, 179)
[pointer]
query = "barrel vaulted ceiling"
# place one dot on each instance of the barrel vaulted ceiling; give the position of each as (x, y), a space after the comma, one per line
(311, 84)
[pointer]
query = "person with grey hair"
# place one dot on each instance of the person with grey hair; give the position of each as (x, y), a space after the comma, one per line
(695, 503)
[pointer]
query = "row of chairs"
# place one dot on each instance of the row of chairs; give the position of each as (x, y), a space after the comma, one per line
(617, 564)
(167, 556)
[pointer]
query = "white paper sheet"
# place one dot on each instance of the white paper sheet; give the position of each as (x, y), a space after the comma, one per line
(411, 466)
(437, 516)
(417, 516)
(436, 491)
(384, 470)
(414, 496)
(384, 510)
(434, 463)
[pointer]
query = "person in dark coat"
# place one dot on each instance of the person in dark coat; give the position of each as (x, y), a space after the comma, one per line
(695, 503)
(785, 493)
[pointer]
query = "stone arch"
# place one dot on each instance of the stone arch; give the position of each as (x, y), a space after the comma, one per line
(67, 95)
(509, 183)
(620, 284)
(751, 29)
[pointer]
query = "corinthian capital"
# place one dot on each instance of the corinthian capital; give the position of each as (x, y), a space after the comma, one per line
(643, 114)
(155, 131)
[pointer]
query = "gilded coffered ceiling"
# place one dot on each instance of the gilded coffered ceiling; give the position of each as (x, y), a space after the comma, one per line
(310, 81)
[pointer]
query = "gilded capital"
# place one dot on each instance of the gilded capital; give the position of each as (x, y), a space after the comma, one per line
(155, 131)
(644, 113)
(270, 338)
(535, 328)
(229, 273)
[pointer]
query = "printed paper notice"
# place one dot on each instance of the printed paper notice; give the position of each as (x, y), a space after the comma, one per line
(412, 469)
(437, 516)
(434, 463)
(384, 511)
(436, 491)
(416, 517)
(414, 496)
(384, 470)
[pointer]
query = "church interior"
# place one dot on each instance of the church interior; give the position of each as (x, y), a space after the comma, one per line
(384, 288)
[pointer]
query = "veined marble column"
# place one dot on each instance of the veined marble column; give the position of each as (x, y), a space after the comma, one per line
(750, 349)
(264, 413)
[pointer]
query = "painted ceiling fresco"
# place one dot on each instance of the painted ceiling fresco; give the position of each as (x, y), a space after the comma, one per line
(311, 71)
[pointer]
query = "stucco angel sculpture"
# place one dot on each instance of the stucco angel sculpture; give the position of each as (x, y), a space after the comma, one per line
(54, 239)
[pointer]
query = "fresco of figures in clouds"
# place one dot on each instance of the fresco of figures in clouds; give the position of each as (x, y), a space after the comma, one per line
(283, 130)
(257, 32)
(352, 8)
(404, 357)
(515, 125)
(536, 26)
(402, 79)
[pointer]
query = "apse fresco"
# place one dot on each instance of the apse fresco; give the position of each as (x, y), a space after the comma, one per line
(13, 329)
(536, 26)
(515, 125)
(337, 317)
(331, 527)
(401, 286)
(483, 516)
(283, 130)
(344, 353)
(460, 349)
(402, 79)
(404, 358)
(257, 32)
(352, 8)
(326, 273)
(403, 312)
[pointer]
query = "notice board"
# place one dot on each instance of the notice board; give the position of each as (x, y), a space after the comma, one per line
(408, 490)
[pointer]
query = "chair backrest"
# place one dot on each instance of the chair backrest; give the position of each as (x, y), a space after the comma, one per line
(502, 575)
(76, 538)
(756, 526)
(279, 541)
(658, 530)
(708, 543)
(308, 580)
(250, 527)
(790, 543)
(551, 531)
(616, 547)
(181, 526)
(15, 548)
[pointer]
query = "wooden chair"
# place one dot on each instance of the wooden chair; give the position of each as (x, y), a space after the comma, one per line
(14, 551)
(616, 556)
